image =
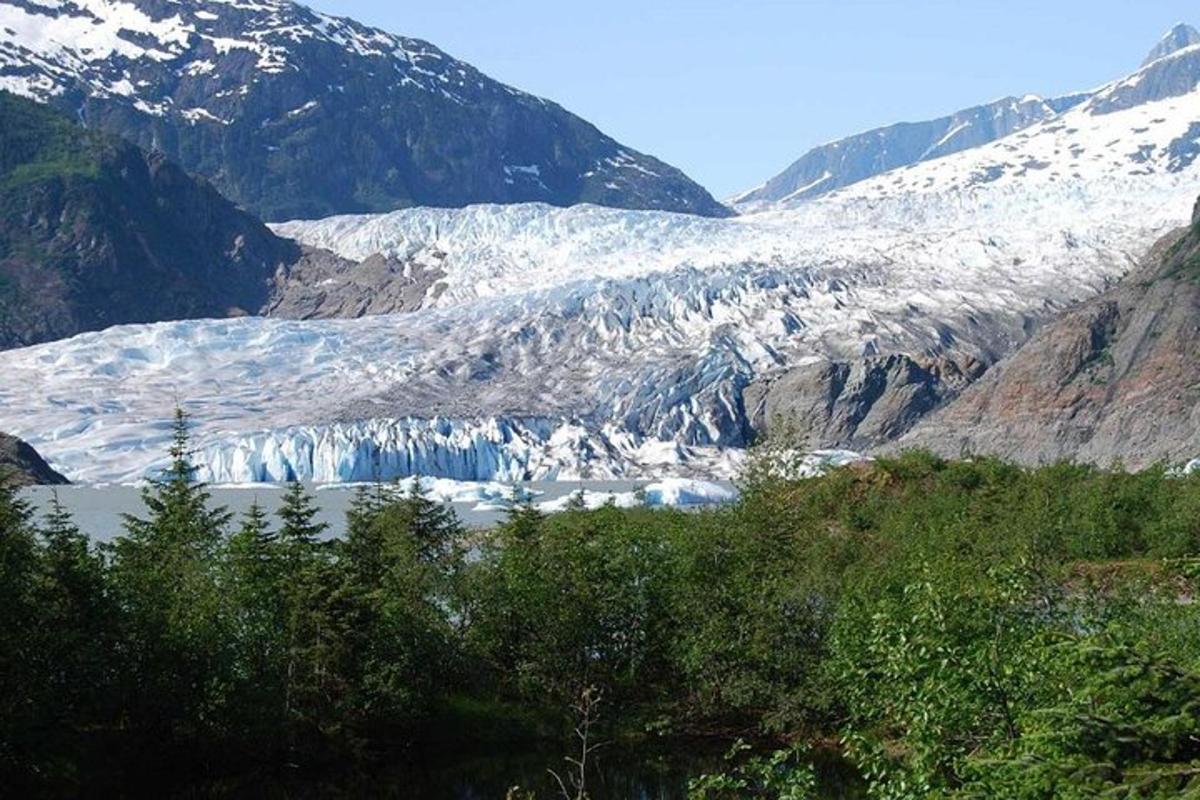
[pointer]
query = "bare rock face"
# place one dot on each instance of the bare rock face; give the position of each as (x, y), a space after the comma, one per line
(322, 285)
(20, 465)
(1115, 380)
(856, 404)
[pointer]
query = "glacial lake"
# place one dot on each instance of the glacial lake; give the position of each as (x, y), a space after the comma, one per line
(100, 510)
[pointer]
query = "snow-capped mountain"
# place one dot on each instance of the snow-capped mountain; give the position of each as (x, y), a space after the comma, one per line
(293, 113)
(593, 341)
(829, 167)
(1144, 126)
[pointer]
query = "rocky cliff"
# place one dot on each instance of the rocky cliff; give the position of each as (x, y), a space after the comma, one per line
(20, 465)
(856, 404)
(1115, 380)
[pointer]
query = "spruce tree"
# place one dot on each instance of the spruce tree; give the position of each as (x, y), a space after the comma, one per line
(315, 624)
(254, 541)
(433, 525)
(401, 556)
(522, 519)
(79, 620)
(20, 633)
(362, 549)
(166, 578)
(255, 592)
(178, 506)
(299, 531)
(254, 558)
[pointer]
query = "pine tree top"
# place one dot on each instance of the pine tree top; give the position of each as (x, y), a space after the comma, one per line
(179, 508)
(298, 515)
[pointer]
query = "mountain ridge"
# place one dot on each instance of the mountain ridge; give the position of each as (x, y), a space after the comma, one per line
(296, 114)
(844, 162)
(1179, 37)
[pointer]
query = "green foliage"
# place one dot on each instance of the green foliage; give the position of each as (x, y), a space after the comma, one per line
(37, 144)
(253, 581)
(166, 581)
(573, 600)
(400, 562)
(19, 635)
(57, 642)
(74, 604)
(961, 629)
(940, 666)
(782, 775)
(1113, 723)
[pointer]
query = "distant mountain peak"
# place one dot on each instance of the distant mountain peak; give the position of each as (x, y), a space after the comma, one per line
(847, 161)
(1171, 70)
(1176, 39)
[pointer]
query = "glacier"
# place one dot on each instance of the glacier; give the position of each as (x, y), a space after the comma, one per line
(595, 377)
(487, 450)
(588, 342)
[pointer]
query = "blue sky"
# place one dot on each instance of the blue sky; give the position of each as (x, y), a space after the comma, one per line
(732, 92)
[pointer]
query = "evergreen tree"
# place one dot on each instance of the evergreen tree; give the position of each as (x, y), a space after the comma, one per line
(166, 578)
(254, 591)
(253, 555)
(78, 618)
(432, 524)
(401, 558)
(362, 548)
(299, 530)
(255, 532)
(523, 520)
(252, 547)
(179, 507)
(20, 639)
(315, 624)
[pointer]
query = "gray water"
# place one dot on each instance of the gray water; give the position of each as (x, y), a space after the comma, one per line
(100, 510)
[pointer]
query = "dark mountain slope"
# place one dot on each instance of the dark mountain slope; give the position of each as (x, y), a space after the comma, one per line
(94, 232)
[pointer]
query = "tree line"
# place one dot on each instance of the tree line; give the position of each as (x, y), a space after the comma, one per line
(949, 628)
